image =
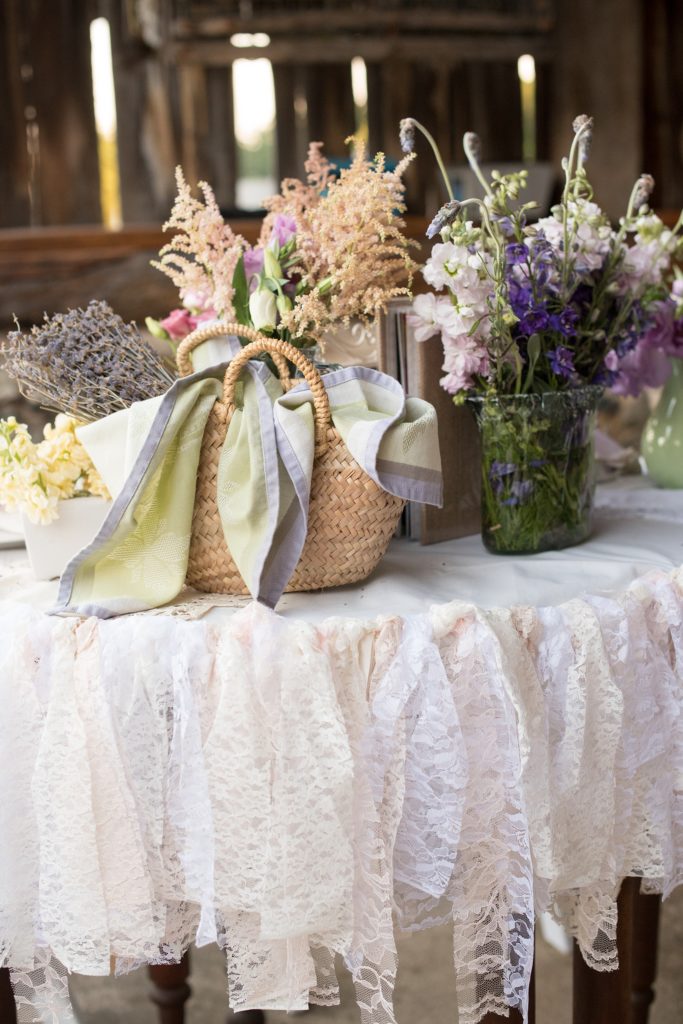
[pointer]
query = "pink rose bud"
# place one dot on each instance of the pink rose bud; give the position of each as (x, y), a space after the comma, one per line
(178, 324)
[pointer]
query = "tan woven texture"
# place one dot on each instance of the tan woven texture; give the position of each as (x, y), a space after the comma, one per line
(350, 519)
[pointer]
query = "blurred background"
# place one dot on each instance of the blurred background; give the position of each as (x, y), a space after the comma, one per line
(100, 99)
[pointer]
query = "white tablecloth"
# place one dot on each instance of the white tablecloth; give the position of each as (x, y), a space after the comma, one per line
(465, 737)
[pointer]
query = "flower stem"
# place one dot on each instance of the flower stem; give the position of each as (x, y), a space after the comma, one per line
(474, 164)
(435, 149)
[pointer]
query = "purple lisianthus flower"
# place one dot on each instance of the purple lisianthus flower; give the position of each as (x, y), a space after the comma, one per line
(565, 322)
(542, 248)
(646, 364)
(561, 361)
(499, 469)
(284, 229)
(516, 252)
(506, 226)
(520, 491)
(519, 295)
(535, 319)
(499, 475)
(253, 264)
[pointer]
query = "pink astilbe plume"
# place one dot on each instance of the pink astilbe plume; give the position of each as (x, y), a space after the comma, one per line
(201, 258)
(353, 254)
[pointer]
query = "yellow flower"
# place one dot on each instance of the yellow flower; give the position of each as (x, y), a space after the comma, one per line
(33, 478)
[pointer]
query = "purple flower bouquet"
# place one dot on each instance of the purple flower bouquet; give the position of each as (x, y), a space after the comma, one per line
(535, 318)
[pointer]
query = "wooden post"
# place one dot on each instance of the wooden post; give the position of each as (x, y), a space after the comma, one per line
(170, 991)
(604, 997)
(663, 100)
(288, 162)
(50, 125)
(598, 70)
(8, 1011)
(329, 97)
(645, 936)
(14, 166)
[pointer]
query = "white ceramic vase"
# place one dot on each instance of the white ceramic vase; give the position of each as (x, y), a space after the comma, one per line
(50, 548)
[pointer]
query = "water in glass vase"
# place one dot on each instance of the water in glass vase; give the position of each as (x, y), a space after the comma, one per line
(538, 470)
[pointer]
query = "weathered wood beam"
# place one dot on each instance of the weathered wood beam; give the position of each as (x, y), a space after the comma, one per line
(333, 49)
(418, 18)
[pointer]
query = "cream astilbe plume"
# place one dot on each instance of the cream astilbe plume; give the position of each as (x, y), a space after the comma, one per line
(202, 257)
(354, 256)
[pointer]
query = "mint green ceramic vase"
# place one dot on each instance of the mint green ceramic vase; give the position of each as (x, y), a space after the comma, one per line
(662, 444)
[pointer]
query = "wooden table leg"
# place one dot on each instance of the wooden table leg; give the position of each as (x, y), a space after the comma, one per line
(645, 933)
(515, 1016)
(604, 997)
(8, 1011)
(170, 990)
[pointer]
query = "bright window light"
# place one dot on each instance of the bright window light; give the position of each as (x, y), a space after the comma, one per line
(254, 104)
(254, 93)
(526, 72)
(359, 82)
(102, 77)
(245, 40)
(526, 68)
(104, 101)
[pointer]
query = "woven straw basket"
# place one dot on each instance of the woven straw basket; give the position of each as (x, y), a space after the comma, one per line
(350, 518)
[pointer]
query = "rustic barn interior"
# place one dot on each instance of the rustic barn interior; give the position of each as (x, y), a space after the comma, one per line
(86, 184)
(337, 67)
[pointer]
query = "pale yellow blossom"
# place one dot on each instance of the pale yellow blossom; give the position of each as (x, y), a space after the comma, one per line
(35, 477)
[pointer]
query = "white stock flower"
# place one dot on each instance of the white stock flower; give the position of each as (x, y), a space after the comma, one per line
(438, 314)
(647, 261)
(590, 234)
(463, 357)
(455, 267)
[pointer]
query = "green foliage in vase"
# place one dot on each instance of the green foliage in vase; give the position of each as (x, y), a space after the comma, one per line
(536, 470)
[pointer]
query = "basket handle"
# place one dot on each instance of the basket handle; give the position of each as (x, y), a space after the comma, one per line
(201, 334)
(278, 348)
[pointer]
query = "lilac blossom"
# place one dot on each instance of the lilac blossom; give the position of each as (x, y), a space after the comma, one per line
(646, 364)
(253, 264)
(283, 230)
(561, 361)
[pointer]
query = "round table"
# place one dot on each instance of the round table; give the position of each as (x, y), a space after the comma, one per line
(464, 737)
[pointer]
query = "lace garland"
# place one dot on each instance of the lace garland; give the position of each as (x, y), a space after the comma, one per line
(281, 788)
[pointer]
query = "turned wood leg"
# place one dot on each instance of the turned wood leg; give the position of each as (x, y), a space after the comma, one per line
(604, 997)
(645, 933)
(8, 1011)
(515, 1016)
(170, 991)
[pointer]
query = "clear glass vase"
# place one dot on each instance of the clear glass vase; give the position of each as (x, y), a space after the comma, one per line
(662, 443)
(538, 469)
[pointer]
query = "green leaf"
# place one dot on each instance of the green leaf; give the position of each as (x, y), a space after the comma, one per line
(240, 298)
(533, 350)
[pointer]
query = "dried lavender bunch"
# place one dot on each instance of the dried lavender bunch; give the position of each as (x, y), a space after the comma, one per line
(86, 362)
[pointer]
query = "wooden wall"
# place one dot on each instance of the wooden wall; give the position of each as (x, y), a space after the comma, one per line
(453, 67)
